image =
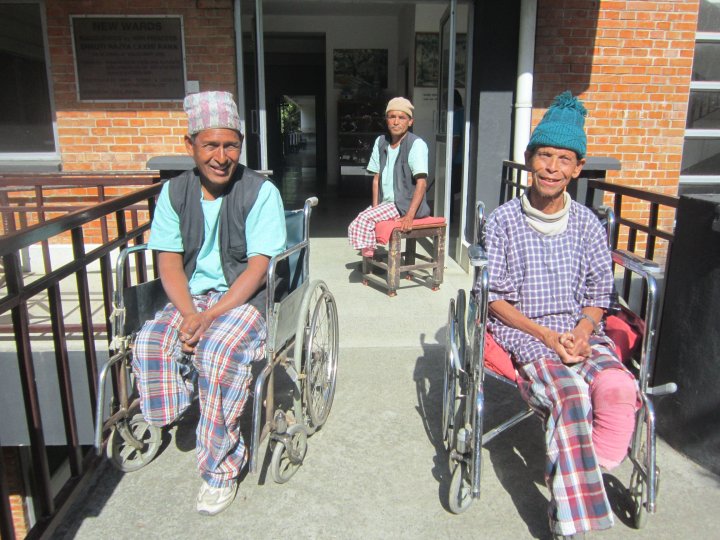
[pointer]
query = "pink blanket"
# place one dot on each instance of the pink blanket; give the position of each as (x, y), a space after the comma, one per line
(383, 229)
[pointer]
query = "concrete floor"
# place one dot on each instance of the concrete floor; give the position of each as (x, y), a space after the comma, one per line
(378, 468)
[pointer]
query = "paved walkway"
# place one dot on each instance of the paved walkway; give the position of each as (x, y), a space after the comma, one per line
(378, 468)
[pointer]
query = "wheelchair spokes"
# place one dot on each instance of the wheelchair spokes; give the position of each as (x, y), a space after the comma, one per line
(133, 443)
(459, 406)
(321, 354)
(289, 453)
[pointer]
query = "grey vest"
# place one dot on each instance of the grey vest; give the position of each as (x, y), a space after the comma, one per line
(403, 182)
(239, 198)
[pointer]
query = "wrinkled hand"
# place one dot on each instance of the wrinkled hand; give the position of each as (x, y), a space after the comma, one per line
(406, 223)
(565, 346)
(191, 330)
(576, 344)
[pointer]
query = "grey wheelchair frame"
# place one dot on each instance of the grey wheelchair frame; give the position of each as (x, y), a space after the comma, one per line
(301, 319)
(464, 390)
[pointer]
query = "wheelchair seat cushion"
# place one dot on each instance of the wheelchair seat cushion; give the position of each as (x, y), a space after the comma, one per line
(383, 229)
(620, 328)
(625, 332)
(498, 360)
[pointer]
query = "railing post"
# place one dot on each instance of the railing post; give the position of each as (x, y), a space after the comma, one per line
(21, 326)
(85, 315)
(62, 363)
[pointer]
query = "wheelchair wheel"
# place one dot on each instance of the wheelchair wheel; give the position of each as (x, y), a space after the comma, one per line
(639, 498)
(459, 494)
(460, 304)
(127, 457)
(319, 352)
(638, 488)
(451, 403)
(286, 460)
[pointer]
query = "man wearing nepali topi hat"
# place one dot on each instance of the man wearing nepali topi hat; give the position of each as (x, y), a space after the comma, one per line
(550, 286)
(215, 229)
(399, 163)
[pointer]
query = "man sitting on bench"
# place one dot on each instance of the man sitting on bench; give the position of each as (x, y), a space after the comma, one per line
(399, 162)
(550, 285)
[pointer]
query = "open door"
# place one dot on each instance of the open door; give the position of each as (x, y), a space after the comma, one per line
(253, 57)
(444, 130)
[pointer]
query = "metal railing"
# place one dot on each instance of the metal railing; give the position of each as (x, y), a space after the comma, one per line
(18, 293)
(654, 205)
(29, 199)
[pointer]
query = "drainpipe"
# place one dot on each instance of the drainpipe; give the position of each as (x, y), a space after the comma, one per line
(240, 77)
(523, 91)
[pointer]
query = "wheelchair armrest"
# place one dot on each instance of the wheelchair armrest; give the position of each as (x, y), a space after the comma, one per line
(635, 263)
(647, 270)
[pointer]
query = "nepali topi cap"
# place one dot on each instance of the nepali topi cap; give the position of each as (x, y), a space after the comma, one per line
(208, 110)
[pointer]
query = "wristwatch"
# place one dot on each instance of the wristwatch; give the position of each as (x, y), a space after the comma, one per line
(588, 318)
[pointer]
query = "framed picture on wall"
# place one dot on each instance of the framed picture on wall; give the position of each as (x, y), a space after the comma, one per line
(460, 59)
(356, 68)
(427, 61)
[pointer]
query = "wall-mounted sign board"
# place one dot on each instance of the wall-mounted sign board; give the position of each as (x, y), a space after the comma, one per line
(129, 58)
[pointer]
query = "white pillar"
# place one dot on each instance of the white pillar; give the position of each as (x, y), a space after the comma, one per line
(526, 60)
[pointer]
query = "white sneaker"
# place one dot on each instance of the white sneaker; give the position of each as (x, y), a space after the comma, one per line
(211, 500)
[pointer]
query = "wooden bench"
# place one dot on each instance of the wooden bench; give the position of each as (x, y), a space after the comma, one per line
(423, 228)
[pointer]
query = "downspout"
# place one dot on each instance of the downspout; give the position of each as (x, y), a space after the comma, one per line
(524, 88)
(240, 75)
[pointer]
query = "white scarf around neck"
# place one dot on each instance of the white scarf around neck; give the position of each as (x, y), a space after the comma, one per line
(547, 224)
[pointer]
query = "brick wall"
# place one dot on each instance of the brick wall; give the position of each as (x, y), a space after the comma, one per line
(123, 136)
(630, 62)
(13, 474)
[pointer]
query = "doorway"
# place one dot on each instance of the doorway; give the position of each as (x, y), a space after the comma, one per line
(296, 124)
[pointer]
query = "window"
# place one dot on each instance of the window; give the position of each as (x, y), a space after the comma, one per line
(26, 125)
(701, 152)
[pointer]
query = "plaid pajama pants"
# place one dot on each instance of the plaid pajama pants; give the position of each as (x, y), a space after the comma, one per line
(578, 501)
(361, 231)
(222, 360)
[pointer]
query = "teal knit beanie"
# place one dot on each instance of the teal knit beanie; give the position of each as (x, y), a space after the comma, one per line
(562, 126)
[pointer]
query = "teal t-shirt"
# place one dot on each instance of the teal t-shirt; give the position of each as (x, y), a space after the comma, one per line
(264, 230)
(417, 160)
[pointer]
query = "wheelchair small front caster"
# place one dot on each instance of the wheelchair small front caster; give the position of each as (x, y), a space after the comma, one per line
(639, 496)
(289, 453)
(459, 496)
(133, 443)
(639, 499)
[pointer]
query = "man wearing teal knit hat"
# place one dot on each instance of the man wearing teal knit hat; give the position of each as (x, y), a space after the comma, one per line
(550, 286)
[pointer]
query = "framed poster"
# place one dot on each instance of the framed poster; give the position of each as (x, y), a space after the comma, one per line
(427, 59)
(128, 58)
(355, 68)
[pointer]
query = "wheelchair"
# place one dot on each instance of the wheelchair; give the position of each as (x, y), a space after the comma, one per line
(466, 367)
(302, 339)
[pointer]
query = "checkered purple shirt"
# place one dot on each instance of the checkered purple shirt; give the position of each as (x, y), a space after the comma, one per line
(548, 278)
